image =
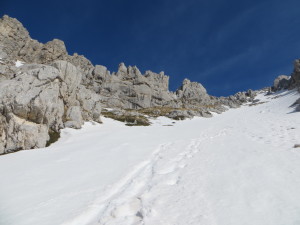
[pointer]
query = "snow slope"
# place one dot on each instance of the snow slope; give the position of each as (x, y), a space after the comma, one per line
(236, 168)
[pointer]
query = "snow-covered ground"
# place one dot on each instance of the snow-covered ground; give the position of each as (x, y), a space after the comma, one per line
(19, 63)
(237, 168)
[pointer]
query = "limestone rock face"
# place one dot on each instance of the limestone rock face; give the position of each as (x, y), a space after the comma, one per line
(29, 106)
(18, 133)
(99, 75)
(159, 81)
(83, 64)
(193, 95)
(7, 69)
(69, 74)
(296, 105)
(295, 77)
(13, 36)
(35, 52)
(129, 89)
(281, 82)
(286, 82)
(192, 91)
(74, 117)
(90, 104)
(42, 98)
(33, 95)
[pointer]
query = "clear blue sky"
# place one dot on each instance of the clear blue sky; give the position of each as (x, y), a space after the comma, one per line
(227, 45)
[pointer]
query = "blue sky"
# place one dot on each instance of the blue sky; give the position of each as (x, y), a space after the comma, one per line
(227, 45)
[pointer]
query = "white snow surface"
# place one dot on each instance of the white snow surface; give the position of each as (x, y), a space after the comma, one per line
(19, 63)
(237, 168)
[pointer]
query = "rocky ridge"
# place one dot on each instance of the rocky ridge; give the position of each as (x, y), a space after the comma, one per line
(289, 82)
(53, 90)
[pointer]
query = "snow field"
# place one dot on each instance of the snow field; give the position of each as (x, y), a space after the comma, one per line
(239, 167)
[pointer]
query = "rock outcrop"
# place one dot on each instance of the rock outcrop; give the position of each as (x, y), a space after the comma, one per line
(296, 105)
(13, 36)
(281, 82)
(295, 77)
(40, 99)
(129, 89)
(295, 82)
(286, 82)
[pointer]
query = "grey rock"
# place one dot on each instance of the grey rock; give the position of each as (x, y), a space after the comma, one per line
(100, 73)
(281, 82)
(83, 64)
(30, 98)
(52, 50)
(192, 91)
(3, 128)
(41, 72)
(251, 94)
(179, 114)
(295, 78)
(294, 81)
(122, 70)
(3, 54)
(40, 98)
(183, 114)
(30, 52)
(296, 105)
(241, 96)
(74, 117)
(35, 52)
(90, 104)
(13, 37)
(7, 71)
(23, 134)
(159, 81)
(69, 74)
(128, 88)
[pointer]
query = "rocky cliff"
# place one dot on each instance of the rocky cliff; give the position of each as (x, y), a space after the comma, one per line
(51, 90)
